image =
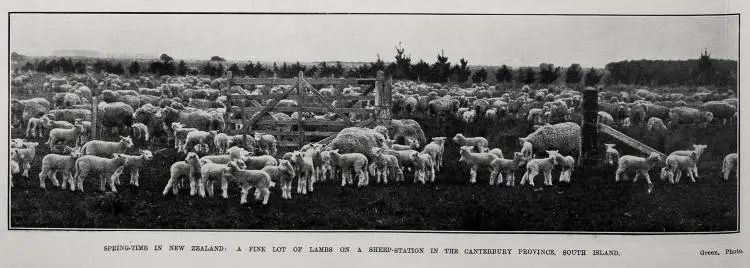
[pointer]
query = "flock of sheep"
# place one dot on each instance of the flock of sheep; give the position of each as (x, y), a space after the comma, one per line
(191, 111)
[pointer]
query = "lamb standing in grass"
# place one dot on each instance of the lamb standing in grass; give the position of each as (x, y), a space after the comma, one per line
(54, 163)
(66, 136)
(638, 164)
(350, 162)
(35, 128)
(199, 137)
(284, 174)
(542, 165)
(189, 168)
(729, 164)
(24, 156)
(698, 150)
(567, 163)
(507, 166)
(477, 142)
(140, 131)
(222, 141)
(247, 179)
(180, 132)
(259, 162)
(305, 171)
(134, 164)
(104, 167)
(423, 167)
(475, 160)
(674, 165)
(107, 148)
(210, 172)
(435, 150)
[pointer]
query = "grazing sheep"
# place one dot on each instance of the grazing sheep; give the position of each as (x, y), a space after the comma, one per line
(107, 148)
(221, 141)
(720, 110)
(435, 150)
(247, 179)
(92, 164)
(54, 163)
(563, 137)
(687, 115)
(24, 156)
(477, 142)
(698, 150)
(656, 125)
(35, 128)
(189, 168)
(475, 160)
(611, 155)
(349, 162)
(674, 165)
(259, 162)
(134, 164)
(567, 164)
(729, 164)
(638, 164)
(284, 174)
(305, 170)
(542, 165)
(140, 132)
(507, 166)
(423, 167)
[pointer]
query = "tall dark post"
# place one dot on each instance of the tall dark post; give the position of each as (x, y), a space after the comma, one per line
(589, 129)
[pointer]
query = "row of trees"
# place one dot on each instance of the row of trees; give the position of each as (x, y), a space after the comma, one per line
(701, 71)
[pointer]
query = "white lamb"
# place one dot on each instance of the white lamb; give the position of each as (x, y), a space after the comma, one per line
(180, 132)
(140, 131)
(199, 137)
(567, 163)
(675, 165)
(384, 166)
(54, 163)
(222, 141)
(189, 168)
(104, 167)
(541, 165)
(34, 128)
(106, 148)
(477, 142)
(210, 173)
(423, 167)
(611, 155)
(64, 135)
(698, 150)
(435, 150)
(247, 179)
(284, 174)
(348, 163)
(475, 160)
(24, 156)
(638, 164)
(506, 166)
(305, 172)
(134, 164)
(729, 164)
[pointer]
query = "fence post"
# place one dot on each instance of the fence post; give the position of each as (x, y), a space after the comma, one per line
(94, 119)
(589, 128)
(300, 103)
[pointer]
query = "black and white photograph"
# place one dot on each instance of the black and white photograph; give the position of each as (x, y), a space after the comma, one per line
(412, 122)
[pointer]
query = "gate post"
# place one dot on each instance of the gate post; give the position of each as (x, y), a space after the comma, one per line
(94, 119)
(300, 103)
(382, 96)
(589, 128)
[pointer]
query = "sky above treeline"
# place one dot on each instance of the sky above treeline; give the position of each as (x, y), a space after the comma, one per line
(520, 40)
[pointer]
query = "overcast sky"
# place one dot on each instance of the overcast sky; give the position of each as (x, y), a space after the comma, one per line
(484, 40)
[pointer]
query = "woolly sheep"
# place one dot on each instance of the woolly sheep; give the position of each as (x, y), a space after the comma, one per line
(70, 115)
(729, 164)
(348, 163)
(357, 140)
(103, 167)
(198, 119)
(721, 110)
(115, 115)
(687, 115)
(204, 138)
(266, 143)
(638, 164)
(605, 118)
(403, 129)
(52, 124)
(542, 165)
(180, 134)
(247, 179)
(508, 167)
(259, 162)
(563, 137)
(469, 116)
(435, 150)
(284, 174)
(656, 125)
(133, 164)
(106, 148)
(476, 142)
(475, 160)
(24, 156)
(54, 163)
(221, 141)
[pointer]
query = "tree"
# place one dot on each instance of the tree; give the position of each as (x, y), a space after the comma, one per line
(592, 77)
(234, 69)
(548, 73)
(441, 69)
(79, 67)
(573, 74)
(421, 70)
(526, 75)
(503, 74)
(182, 68)
(217, 58)
(134, 68)
(479, 76)
(17, 57)
(28, 66)
(402, 65)
(705, 72)
(462, 71)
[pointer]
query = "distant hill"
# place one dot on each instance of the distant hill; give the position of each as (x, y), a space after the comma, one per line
(77, 53)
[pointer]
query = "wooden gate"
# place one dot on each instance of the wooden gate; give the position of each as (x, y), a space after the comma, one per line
(297, 132)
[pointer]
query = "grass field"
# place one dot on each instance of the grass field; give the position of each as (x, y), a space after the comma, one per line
(592, 202)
